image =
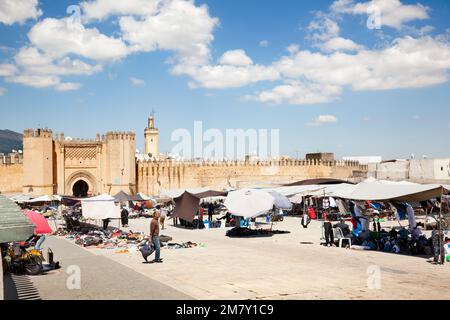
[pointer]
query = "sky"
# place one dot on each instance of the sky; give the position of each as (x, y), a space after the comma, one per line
(356, 78)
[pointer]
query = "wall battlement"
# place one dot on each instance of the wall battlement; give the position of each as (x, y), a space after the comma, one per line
(264, 163)
(119, 135)
(38, 133)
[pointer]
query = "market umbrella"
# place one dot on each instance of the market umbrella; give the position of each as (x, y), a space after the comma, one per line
(39, 221)
(250, 203)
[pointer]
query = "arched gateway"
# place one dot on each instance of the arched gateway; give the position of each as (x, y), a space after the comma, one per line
(81, 184)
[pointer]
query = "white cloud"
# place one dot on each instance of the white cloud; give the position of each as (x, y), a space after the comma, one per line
(18, 11)
(3, 91)
(101, 9)
(293, 48)
(407, 63)
(36, 69)
(323, 119)
(137, 82)
(7, 69)
(296, 92)
(322, 28)
(60, 37)
(227, 76)
(68, 86)
(235, 58)
(264, 43)
(178, 26)
(392, 13)
(36, 62)
(340, 44)
(35, 81)
(59, 48)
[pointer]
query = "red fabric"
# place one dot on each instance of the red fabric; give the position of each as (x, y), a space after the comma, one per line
(311, 213)
(355, 225)
(325, 215)
(39, 221)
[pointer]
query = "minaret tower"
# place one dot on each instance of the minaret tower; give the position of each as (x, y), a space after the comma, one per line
(151, 138)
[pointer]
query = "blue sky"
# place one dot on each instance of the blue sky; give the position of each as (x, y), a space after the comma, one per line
(345, 88)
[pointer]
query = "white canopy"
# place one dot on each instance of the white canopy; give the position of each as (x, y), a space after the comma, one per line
(144, 197)
(102, 197)
(315, 190)
(175, 193)
(100, 207)
(40, 199)
(250, 203)
(20, 198)
(389, 190)
(370, 189)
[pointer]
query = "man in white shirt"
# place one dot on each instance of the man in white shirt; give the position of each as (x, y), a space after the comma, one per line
(163, 216)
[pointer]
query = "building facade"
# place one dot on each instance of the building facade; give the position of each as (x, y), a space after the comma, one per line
(78, 167)
(55, 164)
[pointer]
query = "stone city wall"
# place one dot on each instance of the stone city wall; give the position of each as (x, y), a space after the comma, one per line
(153, 177)
(11, 178)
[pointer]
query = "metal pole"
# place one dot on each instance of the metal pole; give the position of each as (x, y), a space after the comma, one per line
(441, 258)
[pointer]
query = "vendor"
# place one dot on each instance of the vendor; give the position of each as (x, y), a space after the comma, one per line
(344, 227)
(105, 223)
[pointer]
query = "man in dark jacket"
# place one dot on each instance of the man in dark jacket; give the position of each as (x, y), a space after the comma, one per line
(124, 217)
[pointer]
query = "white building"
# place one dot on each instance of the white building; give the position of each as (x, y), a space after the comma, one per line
(365, 159)
(415, 170)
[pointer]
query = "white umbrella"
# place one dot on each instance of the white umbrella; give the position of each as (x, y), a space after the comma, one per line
(250, 203)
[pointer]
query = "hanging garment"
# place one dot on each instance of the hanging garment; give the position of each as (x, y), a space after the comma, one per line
(312, 213)
(411, 217)
(342, 206)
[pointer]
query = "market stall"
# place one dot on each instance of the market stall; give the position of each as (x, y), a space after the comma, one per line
(100, 207)
(187, 205)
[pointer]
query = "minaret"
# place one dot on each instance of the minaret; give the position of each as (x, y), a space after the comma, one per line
(151, 138)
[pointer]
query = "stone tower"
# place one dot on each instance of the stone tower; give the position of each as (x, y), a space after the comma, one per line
(120, 164)
(151, 138)
(38, 162)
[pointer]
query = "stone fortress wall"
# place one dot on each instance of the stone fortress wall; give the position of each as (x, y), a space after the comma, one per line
(153, 177)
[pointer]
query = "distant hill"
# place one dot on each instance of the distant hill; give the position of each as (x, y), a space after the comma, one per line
(10, 140)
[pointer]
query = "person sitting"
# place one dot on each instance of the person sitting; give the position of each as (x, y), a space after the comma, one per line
(393, 234)
(344, 227)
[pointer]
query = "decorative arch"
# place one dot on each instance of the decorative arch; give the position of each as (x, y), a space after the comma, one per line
(81, 175)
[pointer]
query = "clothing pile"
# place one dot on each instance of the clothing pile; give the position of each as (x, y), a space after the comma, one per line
(104, 239)
(189, 244)
(395, 242)
(215, 224)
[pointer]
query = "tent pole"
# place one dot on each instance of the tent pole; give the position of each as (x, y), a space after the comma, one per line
(441, 258)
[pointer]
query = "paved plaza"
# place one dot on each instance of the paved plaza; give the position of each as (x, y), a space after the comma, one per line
(284, 266)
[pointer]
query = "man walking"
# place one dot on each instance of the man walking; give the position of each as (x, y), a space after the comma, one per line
(437, 237)
(154, 236)
(124, 217)
(210, 212)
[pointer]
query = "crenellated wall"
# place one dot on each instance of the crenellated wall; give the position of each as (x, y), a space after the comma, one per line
(11, 178)
(156, 176)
